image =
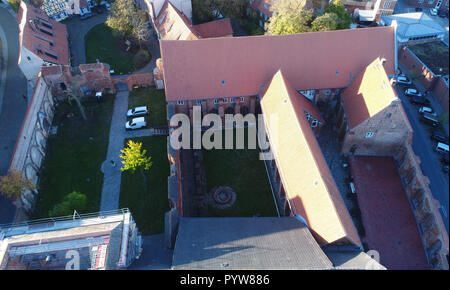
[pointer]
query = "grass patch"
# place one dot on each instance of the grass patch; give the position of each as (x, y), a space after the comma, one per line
(73, 161)
(101, 43)
(242, 170)
(434, 55)
(148, 207)
(155, 100)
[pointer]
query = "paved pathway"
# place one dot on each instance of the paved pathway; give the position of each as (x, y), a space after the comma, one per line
(111, 166)
(155, 254)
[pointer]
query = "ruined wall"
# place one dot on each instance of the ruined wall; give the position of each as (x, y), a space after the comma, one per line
(424, 206)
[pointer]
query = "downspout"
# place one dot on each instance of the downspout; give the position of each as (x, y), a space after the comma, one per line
(395, 25)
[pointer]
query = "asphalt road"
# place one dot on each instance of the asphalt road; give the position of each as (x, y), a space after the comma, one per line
(430, 160)
(12, 111)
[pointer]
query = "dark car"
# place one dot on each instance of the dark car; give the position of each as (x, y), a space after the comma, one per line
(442, 13)
(99, 9)
(85, 16)
(445, 168)
(418, 9)
(439, 137)
(444, 158)
(430, 120)
(419, 100)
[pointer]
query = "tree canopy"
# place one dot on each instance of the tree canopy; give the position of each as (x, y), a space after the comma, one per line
(73, 201)
(208, 10)
(133, 157)
(291, 16)
(126, 19)
(14, 184)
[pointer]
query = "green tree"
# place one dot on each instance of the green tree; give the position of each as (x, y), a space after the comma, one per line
(14, 184)
(134, 158)
(325, 22)
(344, 18)
(289, 17)
(73, 201)
(122, 16)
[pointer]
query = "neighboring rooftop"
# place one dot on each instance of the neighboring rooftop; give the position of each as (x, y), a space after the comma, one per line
(42, 35)
(368, 94)
(239, 66)
(262, 243)
(313, 194)
(389, 223)
(417, 24)
(43, 244)
(217, 28)
(434, 55)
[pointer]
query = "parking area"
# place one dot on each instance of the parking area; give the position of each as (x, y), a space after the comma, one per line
(424, 146)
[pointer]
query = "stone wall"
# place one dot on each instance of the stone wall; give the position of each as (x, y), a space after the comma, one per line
(425, 207)
(31, 144)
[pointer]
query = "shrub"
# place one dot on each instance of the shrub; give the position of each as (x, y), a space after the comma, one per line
(141, 58)
(73, 201)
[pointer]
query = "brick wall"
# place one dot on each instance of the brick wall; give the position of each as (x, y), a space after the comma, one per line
(424, 206)
(427, 4)
(440, 91)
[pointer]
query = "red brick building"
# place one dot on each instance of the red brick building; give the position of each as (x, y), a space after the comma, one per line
(428, 4)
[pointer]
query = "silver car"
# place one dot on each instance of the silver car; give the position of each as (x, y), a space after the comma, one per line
(138, 111)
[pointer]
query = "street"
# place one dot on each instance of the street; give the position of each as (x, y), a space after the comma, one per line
(430, 160)
(13, 105)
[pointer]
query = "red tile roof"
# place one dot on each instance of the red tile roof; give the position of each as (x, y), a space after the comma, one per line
(174, 25)
(389, 223)
(218, 28)
(369, 93)
(42, 35)
(238, 66)
(305, 175)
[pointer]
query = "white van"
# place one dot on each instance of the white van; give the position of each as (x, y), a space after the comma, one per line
(441, 147)
(135, 123)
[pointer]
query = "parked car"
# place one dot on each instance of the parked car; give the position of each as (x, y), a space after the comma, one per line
(445, 168)
(99, 9)
(430, 120)
(427, 110)
(419, 9)
(433, 11)
(441, 148)
(439, 137)
(401, 79)
(444, 158)
(412, 92)
(136, 123)
(137, 112)
(85, 16)
(420, 101)
(106, 4)
(442, 13)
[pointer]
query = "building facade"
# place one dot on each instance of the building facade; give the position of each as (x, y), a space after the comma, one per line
(62, 9)
(428, 4)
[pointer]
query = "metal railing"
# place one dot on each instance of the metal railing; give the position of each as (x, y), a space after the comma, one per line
(65, 218)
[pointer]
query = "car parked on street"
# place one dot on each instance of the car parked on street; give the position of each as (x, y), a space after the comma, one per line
(445, 168)
(427, 110)
(137, 112)
(420, 100)
(136, 123)
(86, 16)
(441, 148)
(430, 120)
(412, 92)
(99, 9)
(438, 136)
(433, 11)
(444, 158)
(401, 79)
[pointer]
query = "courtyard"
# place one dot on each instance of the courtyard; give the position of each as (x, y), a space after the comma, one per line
(75, 154)
(147, 199)
(243, 172)
(155, 101)
(108, 48)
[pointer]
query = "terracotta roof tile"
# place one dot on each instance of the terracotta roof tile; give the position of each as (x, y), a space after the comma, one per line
(307, 180)
(42, 35)
(218, 28)
(369, 93)
(174, 25)
(317, 60)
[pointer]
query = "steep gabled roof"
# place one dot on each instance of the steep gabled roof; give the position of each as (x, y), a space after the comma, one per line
(368, 94)
(238, 66)
(42, 35)
(307, 181)
(174, 25)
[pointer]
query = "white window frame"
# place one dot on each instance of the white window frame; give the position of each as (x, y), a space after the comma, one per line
(242, 99)
(232, 100)
(314, 123)
(180, 103)
(370, 134)
(216, 101)
(199, 102)
(225, 100)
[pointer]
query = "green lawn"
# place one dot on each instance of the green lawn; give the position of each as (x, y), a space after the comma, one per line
(155, 100)
(74, 156)
(434, 54)
(242, 170)
(103, 45)
(148, 203)
(15, 4)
